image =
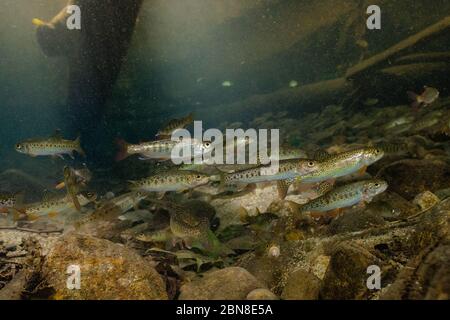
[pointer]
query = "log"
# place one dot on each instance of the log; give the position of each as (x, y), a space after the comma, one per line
(425, 57)
(303, 98)
(13, 290)
(428, 33)
(415, 70)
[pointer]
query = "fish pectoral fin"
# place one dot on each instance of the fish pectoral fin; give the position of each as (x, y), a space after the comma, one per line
(334, 213)
(362, 171)
(4, 210)
(52, 214)
(32, 217)
(361, 205)
(283, 187)
(60, 185)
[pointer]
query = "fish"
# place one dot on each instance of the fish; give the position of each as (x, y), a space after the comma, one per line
(171, 180)
(285, 153)
(190, 221)
(161, 149)
(163, 235)
(113, 207)
(398, 122)
(392, 147)
(428, 96)
(173, 125)
(424, 123)
(53, 207)
(342, 164)
(346, 196)
(288, 169)
(54, 146)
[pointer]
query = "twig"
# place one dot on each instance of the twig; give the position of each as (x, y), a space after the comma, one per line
(60, 230)
(432, 31)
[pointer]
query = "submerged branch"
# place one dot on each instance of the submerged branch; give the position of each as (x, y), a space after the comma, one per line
(434, 30)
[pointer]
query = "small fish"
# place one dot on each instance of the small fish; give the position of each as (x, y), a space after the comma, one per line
(54, 146)
(161, 149)
(156, 236)
(170, 181)
(113, 207)
(173, 125)
(190, 221)
(346, 196)
(398, 122)
(288, 169)
(392, 147)
(56, 206)
(424, 123)
(343, 164)
(428, 96)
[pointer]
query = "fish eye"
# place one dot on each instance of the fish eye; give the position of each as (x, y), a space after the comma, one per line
(377, 151)
(199, 176)
(377, 184)
(18, 146)
(311, 163)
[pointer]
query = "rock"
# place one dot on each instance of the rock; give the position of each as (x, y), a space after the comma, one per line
(410, 177)
(108, 271)
(261, 294)
(301, 285)
(232, 283)
(426, 200)
(347, 272)
(320, 266)
(356, 220)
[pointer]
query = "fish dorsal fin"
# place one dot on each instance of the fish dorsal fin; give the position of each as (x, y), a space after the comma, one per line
(57, 135)
(48, 196)
(324, 187)
(321, 155)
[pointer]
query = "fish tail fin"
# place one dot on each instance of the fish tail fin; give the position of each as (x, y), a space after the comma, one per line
(78, 147)
(219, 177)
(123, 149)
(412, 95)
(415, 100)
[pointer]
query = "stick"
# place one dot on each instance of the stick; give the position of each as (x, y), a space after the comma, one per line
(424, 35)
